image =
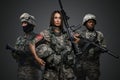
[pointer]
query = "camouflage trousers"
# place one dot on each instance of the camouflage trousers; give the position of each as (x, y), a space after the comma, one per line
(27, 73)
(88, 70)
(64, 74)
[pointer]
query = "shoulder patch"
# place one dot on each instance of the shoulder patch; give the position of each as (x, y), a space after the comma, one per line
(39, 37)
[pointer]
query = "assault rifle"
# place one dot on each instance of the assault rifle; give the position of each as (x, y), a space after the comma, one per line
(23, 55)
(69, 32)
(103, 49)
(18, 52)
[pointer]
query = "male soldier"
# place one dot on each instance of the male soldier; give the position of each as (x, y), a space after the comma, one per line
(89, 65)
(57, 52)
(26, 65)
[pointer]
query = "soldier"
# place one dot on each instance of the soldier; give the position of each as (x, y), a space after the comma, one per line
(26, 65)
(57, 52)
(89, 65)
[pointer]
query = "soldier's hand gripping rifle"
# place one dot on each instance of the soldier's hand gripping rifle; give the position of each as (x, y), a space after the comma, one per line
(102, 49)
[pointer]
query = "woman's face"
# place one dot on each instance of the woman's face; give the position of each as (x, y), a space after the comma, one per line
(57, 19)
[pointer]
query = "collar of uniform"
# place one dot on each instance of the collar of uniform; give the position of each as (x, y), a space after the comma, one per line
(26, 35)
(89, 30)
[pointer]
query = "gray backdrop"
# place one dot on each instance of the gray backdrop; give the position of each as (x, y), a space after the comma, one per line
(107, 12)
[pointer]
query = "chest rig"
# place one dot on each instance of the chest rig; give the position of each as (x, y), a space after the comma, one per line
(89, 49)
(61, 48)
(23, 42)
(58, 41)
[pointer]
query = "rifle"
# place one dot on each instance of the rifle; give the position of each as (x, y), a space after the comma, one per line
(68, 29)
(69, 33)
(88, 43)
(23, 55)
(103, 49)
(18, 52)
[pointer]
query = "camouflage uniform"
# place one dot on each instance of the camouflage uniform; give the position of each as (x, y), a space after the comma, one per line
(26, 65)
(89, 61)
(58, 56)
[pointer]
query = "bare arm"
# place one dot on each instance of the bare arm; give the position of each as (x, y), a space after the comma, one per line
(33, 51)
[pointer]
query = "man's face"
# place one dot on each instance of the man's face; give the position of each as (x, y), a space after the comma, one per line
(27, 27)
(57, 19)
(90, 24)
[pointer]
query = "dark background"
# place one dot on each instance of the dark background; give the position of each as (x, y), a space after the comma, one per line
(108, 16)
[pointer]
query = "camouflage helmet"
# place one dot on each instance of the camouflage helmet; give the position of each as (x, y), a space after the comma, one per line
(28, 18)
(88, 17)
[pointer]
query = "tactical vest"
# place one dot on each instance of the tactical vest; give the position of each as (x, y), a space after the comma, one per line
(61, 48)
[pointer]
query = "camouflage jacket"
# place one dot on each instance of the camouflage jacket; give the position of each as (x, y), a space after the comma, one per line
(22, 44)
